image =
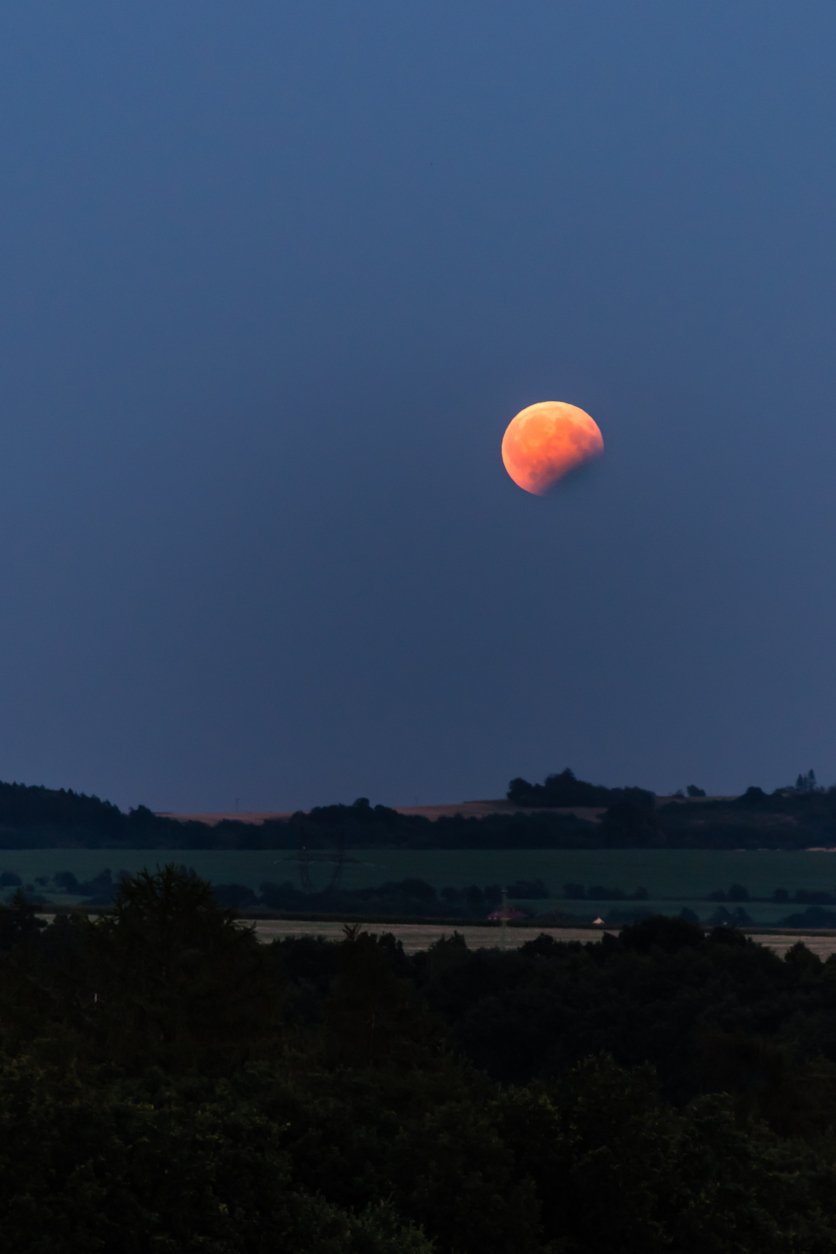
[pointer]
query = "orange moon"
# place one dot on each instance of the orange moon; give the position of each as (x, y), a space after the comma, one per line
(547, 440)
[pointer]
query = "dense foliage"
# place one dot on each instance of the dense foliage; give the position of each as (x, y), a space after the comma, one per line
(566, 789)
(168, 1083)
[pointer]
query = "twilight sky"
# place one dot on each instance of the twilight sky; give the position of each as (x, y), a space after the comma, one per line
(275, 277)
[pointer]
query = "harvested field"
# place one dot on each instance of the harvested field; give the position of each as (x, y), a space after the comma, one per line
(467, 809)
(417, 936)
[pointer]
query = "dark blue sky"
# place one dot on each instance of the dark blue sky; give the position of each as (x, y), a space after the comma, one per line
(275, 276)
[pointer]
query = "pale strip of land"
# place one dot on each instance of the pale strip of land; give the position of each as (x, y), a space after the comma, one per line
(447, 809)
(418, 936)
(466, 809)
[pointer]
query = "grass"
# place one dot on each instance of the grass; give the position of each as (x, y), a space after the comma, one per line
(672, 877)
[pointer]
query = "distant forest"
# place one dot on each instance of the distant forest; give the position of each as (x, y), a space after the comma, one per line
(561, 813)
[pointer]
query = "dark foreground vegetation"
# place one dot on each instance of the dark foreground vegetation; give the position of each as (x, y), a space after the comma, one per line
(569, 814)
(167, 1083)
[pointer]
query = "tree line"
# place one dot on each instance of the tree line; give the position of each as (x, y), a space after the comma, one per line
(568, 813)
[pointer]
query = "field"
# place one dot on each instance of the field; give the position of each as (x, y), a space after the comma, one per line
(672, 878)
(418, 936)
(467, 809)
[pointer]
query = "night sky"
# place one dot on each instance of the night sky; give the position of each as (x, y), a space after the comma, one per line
(276, 276)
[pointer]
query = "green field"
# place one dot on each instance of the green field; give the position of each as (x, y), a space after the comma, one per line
(673, 878)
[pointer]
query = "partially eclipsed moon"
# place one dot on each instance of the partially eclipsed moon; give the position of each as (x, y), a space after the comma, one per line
(547, 440)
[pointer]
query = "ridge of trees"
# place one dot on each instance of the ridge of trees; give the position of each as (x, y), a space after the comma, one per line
(792, 817)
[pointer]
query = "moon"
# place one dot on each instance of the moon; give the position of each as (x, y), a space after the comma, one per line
(544, 442)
